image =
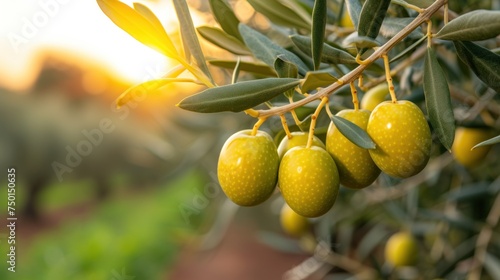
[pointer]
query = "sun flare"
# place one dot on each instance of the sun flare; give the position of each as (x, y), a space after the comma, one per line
(79, 27)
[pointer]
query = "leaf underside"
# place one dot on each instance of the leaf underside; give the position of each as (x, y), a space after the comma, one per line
(437, 100)
(354, 133)
(237, 97)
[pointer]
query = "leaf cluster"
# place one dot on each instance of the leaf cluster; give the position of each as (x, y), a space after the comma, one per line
(304, 54)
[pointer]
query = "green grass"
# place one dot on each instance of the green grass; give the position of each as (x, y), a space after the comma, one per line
(138, 236)
(64, 194)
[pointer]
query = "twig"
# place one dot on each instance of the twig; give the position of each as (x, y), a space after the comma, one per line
(354, 74)
(419, 53)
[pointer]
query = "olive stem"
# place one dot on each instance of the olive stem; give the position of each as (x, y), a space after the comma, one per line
(252, 112)
(354, 94)
(360, 82)
(388, 77)
(294, 114)
(295, 118)
(355, 73)
(361, 61)
(257, 125)
(314, 117)
(329, 111)
(285, 127)
(429, 34)
(401, 66)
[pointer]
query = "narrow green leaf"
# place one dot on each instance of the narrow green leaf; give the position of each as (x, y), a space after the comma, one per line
(225, 16)
(301, 9)
(492, 141)
(318, 31)
(371, 17)
(189, 36)
(279, 13)
(361, 42)
(146, 87)
(237, 97)
(474, 26)
(266, 50)
(391, 26)
(336, 56)
(252, 67)
(354, 8)
(354, 133)
(314, 80)
(286, 69)
(221, 39)
(138, 26)
(484, 63)
(438, 101)
(329, 55)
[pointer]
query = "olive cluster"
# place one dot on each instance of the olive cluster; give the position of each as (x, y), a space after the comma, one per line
(309, 172)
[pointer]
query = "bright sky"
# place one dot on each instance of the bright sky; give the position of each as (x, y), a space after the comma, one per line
(77, 26)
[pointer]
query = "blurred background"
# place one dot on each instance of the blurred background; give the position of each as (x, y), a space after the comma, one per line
(116, 211)
(133, 202)
(132, 193)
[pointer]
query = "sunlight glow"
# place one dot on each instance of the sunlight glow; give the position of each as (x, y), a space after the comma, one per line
(80, 27)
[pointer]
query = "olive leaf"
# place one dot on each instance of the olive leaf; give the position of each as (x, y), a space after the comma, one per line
(279, 13)
(491, 141)
(391, 26)
(251, 67)
(149, 15)
(354, 133)
(189, 36)
(354, 8)
(329, 54)
(225, 16)
(371, 17)
(237, 97)
(143, 29)
(474, 26)
(266, 50)
(313, 80)
(361, 42)
(484, 63)
(221, 39)
(318, 31)
(304, 11)
(438, 101)
(286, 69)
